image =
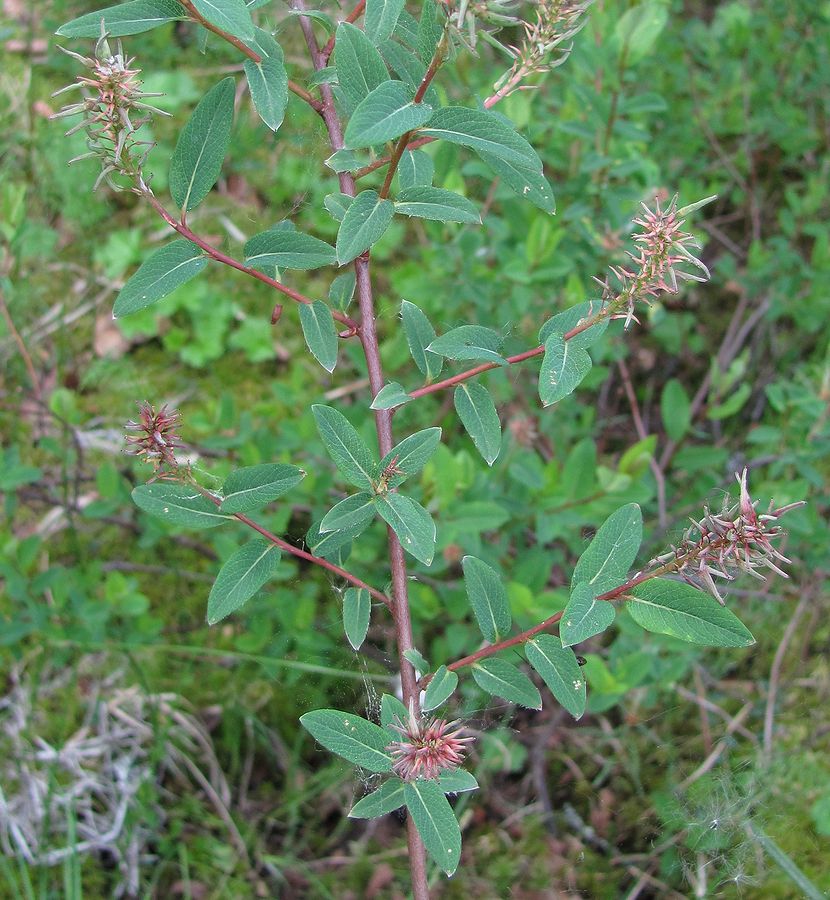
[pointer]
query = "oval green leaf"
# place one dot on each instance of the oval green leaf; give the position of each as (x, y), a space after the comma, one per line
(253, 486)
(159, 275)
(584, 616)
(357, 608)
(364, 222)
(244, 573)
(319, 333)
(440, 688)
(435, 821)
(500, 678)
(178, 504)
(202, 145)
(355, 739)
(488, 598)
(478, 415)
(411, 523)
(678, 609)
(559, 670)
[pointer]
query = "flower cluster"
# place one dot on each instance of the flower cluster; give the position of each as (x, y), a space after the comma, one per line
(113, 109)
(427, 747)
(547, 41)
(662, 247)
(738, 539)
(156, 440)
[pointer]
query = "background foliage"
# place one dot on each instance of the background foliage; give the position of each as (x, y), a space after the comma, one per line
(698, 771)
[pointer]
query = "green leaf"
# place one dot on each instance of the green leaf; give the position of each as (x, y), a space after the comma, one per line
(638, 28)
(430, 29)
(563, 322)
(482, 131)
(419, 335)
(478, 415)
(360, 68)
(386, 799)
(345, 446)
(411, 523)
(457, 781)
(417, 659)
(268, 83)
(435, 821)
(411, 455)
(437, 204)
(678, 609)
(124, 19)
(392, 711)
(473, 342)
(357, 608)
(731, 405)
(319, 333)
(288, 250)
(380, 18)
(439, 689)
(159, 275)
(244, 573)
(563, 367)
(344, 161)
(323, 18)
(333, 545)
(386, 113)
(584, 616)
(337, 204)
(559, 670)
(488, 598)
(360, 742)
(200, 150)
(352, 514)
(675, 409)
(178, 504)
(229, 15)
(416, 169)
(607, 559)
(342, 290)
(253, 486)
(409, 69)
(527, 181)
(390, 396)
(364, 222)
(499, 677)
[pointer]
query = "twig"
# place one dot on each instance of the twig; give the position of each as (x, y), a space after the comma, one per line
(642, 434)
(353, 16)
(223, 258)
(711, 760)
(22, 349)
(775, 672)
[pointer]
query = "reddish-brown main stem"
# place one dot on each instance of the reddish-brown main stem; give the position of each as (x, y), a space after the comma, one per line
(383, 425)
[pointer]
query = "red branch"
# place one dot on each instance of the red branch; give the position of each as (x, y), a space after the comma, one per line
(519, 357)
(353, 16)
(217, 255)
(296, 551)
(526, 635)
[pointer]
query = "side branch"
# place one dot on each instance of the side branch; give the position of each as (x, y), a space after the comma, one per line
(217, 255)
(353, 16)
(301, 554)
(295, 88)
(519, 357)
(526, 635)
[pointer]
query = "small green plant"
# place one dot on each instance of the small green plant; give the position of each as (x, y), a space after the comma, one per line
(380, 80)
